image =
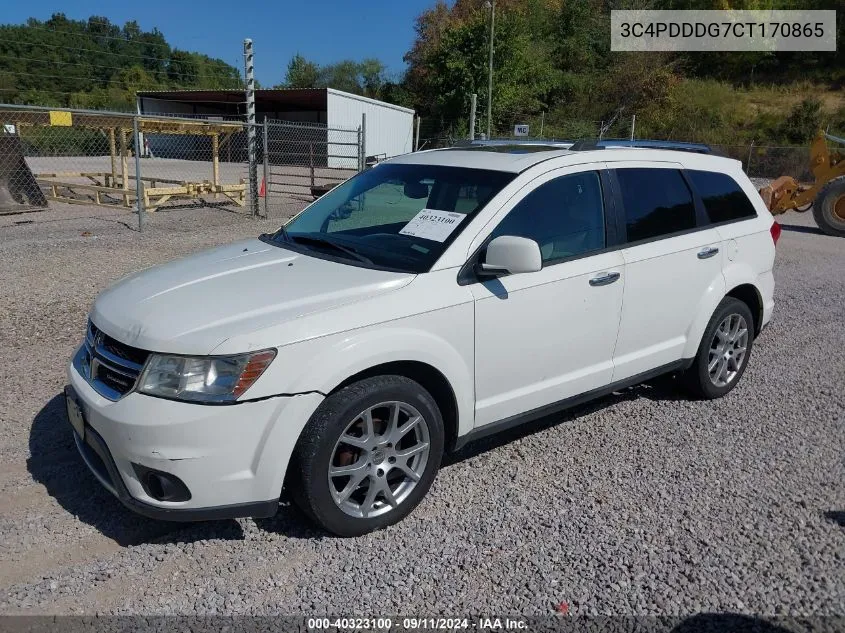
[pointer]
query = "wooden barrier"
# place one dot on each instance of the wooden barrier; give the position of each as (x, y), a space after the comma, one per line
(102, 191)
(115, 188)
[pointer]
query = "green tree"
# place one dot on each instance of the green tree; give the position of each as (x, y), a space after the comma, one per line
(96, 63)
(301, 73)
(343, 75)
(804, 121)
(372, 77)
(523, 76)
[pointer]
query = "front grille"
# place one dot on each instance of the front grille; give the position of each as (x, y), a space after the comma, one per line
(109, 366)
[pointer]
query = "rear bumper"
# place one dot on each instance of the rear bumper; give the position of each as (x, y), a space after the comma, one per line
(766, 284)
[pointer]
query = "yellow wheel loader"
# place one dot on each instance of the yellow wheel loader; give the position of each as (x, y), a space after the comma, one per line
(826, 195)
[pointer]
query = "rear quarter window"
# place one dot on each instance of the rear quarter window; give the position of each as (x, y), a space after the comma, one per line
(656, 202)
(724, 200)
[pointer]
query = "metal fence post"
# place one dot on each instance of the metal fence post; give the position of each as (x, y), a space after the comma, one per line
(139, 184)
(417, 137)
(124, 167)
(364, 139)
(113, 152)
(360, 162)
(472, 103)
(311, 161)
(266, 176)
(748, 164)
(249, 72)
(633, 125)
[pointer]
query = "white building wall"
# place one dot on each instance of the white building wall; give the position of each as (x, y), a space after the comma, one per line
(389, 131)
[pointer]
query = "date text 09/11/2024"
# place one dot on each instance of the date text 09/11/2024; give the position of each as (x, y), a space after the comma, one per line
(418, 624)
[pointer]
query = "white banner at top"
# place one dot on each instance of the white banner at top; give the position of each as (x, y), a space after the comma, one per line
(770, 30)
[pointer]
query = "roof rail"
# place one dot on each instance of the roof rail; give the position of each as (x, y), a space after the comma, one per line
(609, 143)
(563, 144)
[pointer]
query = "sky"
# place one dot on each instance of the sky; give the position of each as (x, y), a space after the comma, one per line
(324, 31)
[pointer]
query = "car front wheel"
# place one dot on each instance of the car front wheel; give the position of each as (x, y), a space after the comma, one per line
(368, 455)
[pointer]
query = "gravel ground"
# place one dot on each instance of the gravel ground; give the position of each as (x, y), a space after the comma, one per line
(641, 503)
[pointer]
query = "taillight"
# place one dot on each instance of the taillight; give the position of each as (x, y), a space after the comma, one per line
(775, 231)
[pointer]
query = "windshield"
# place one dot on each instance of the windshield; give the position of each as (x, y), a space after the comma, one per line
(393, 216)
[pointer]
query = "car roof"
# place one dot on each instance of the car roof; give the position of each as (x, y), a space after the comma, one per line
(518, 158)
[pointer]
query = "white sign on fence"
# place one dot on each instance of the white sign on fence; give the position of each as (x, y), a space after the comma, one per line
(520, 129)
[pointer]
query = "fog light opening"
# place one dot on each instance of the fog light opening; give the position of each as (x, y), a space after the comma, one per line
(161, 486)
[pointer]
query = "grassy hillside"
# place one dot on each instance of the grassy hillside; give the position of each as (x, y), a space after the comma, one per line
(720, 113)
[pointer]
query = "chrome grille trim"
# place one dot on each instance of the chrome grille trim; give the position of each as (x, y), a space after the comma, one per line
(116, 361)
(93, 362)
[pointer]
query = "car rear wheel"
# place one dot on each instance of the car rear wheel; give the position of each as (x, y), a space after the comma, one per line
(368, 455)
(724, 351)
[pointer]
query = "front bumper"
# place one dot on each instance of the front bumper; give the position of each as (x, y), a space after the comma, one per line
(232, 458)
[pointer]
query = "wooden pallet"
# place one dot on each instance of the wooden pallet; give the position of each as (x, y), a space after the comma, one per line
(103, 189)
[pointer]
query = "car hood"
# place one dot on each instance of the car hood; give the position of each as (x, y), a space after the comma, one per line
(192, 305)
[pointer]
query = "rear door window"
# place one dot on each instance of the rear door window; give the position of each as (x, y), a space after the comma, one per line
(656, 202)
(724, 200)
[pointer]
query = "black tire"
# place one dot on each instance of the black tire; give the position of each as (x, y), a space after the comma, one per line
(829, 207)
(697, 378)
(308, 480)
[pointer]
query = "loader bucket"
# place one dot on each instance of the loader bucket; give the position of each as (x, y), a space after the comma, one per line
(18, 189)
(778, 195)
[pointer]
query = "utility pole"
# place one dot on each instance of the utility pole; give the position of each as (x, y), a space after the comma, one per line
(492, 4)
(249, 73)
(472, 104)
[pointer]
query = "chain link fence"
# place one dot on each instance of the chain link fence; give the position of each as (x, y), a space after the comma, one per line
(302, 161)
(766, 161)
(50, 158)
(144, 164)
(758, 161)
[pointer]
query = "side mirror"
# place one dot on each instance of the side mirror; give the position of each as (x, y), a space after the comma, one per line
(513, 255)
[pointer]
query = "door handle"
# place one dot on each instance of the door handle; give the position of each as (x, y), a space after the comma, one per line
(708, 252)
(604, 279)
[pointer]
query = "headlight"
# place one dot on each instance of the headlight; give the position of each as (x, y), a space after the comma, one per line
(203, 378)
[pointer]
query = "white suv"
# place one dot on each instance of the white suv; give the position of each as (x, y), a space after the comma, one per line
(436, 298)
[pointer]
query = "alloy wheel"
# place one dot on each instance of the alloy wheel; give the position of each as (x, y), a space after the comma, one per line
(728, 350)
(378, 459)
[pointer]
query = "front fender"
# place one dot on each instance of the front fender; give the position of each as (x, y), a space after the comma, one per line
(442, 339)
(314, 368)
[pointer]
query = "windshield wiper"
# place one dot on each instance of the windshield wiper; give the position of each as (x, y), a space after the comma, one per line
(321, 241)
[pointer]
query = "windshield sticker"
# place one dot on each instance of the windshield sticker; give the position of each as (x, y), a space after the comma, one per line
(430, 224)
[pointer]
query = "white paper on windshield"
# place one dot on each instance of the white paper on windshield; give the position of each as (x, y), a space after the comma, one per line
(434, 225)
